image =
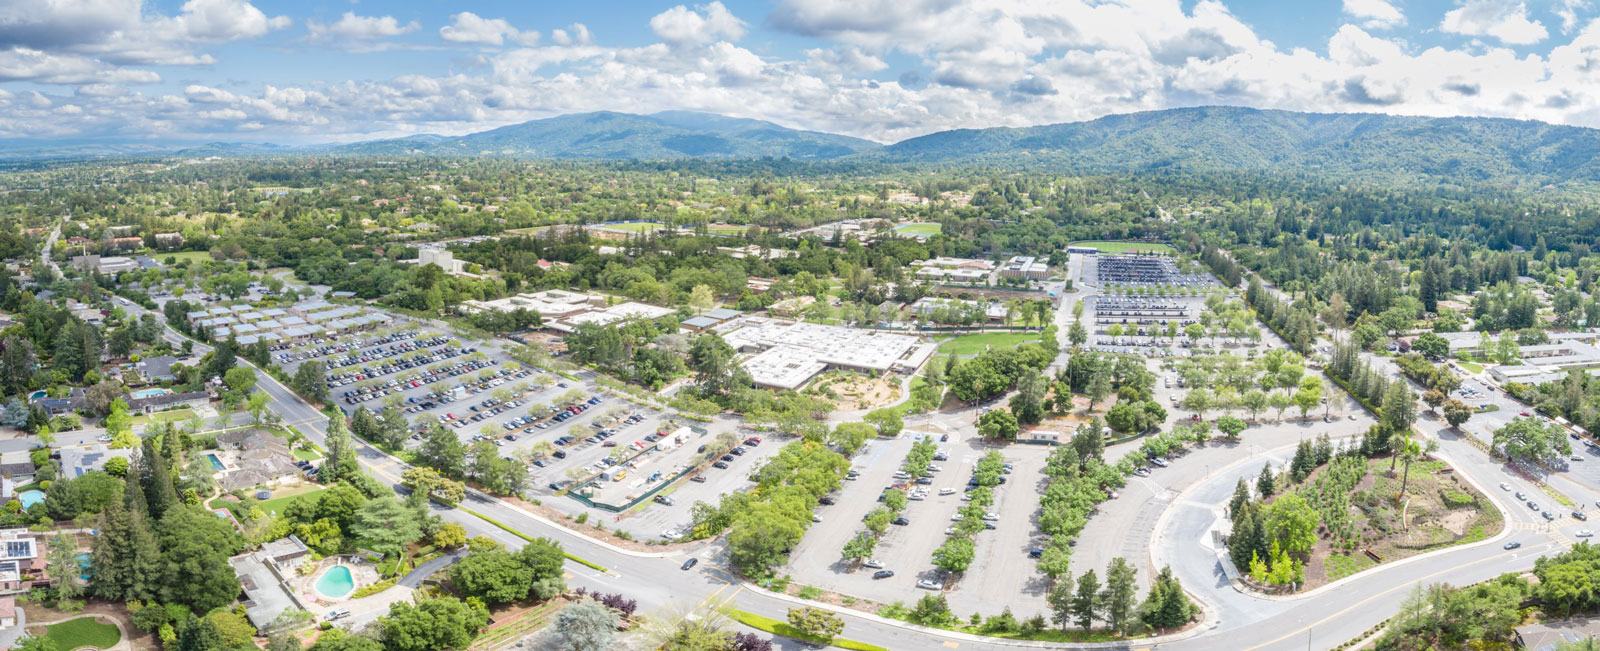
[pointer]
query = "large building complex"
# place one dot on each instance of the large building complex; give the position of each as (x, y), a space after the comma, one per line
(564, 311)
(789, 354)
(1025, 267)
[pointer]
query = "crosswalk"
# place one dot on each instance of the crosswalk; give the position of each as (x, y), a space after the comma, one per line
(1553, 532)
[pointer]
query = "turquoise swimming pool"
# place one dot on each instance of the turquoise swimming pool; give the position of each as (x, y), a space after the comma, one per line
(216, 464)
(30, 498)
(148, 393)
(83, 566)
(336, 583)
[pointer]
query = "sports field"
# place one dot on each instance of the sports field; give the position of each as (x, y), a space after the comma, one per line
(924, 229)
(632, 227)
(977, 343)
(1128, 247)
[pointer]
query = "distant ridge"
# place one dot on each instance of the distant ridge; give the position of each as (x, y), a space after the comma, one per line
(624, 136)
(1209, 139)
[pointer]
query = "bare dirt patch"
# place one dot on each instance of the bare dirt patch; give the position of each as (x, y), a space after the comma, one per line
(851, 392)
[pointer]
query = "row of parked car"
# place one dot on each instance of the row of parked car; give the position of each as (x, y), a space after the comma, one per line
(440, 374)
(393, 350)
(390, 368)
(335, 348)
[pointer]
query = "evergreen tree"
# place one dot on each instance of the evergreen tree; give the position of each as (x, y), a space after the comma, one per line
(1241, 497)
(156, 481)
(1264, 483)
(1086, 603)
(341, 461)
(1166, 606)
(1120, 595)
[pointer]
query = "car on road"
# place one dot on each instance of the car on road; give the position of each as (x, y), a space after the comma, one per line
(1142, 472)
(1513, 545)
(1036, 552)
(1580, 515)
(337, 614)
(1159, 461)
(664, 500)
(1525, 414)
(1534, 505)
(827, 501)
(1548, 515)
(901, 521)
(1584, 533)
(698, 479)
(1504, 486)
(929, 585)
(690, 563)
(1521, 495)
(882, 574)
(873, 563)
(103, 438)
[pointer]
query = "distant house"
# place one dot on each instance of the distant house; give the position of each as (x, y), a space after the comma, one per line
(21, 564)
(157, 369)
(17, 466)
(126, 243)
(58, 406)
(1551, 634)
(169, 240)
(78, 461)
(264, 577)
(167, 401)
(263, 459)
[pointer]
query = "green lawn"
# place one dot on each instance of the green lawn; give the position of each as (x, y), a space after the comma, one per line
(776, 627)
(194, 257)
(919, 228)
(1469, 366)
(633, 227)
(1128, 247)
(977, 343)
(174, 416)
(82, 632)
(280, 501)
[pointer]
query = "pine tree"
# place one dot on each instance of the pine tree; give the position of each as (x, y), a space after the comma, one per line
(124, 556)
(155, 480)
(1086, 603)
(1265, 485)
(1241, 497)
(341, 462)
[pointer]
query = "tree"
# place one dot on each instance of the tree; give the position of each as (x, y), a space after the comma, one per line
(1264, 482)
(1230, 426)
(195, 546)
(1120, 595)
(1456, 413)
(125, 555)
(386, 525)
(716, 369)
(1061, 599)
(256, 405)
(998, 425)
(586, 624)
(1198, 401)
(1086, 602)
(450, 536)
(119, 426)
(338, 640)
(495, 577)
(1291, 523)
(955, 555)
(1431, 346)
(932, 610)
(432, 624)
(311, 381)
(1028, 404)
(60, 552)
(1531, 439)
(1399, 408)
(1166, 606)
(240, 378)
(888, 422)
(341, 463)
(815, 622)
(1254, 402)
(1408, 451)
(1306, 400)
(860, 547)
(1088, 441)
(701, 298)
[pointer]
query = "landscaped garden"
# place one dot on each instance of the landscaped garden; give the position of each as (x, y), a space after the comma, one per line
(82, 632)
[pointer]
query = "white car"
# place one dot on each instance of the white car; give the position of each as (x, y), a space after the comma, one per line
(104, 438)
(873, 563)
(991, 517)
(947, 491)
(1584, 533)
(930, 585)
(1504, 486)
(672, 534)
(955, 518)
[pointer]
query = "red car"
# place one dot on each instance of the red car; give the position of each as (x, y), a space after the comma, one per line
(1526, 414)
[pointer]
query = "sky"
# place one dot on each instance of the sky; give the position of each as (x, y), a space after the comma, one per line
(301, 71)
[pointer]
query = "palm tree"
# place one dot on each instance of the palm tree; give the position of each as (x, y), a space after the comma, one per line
(1408, 451)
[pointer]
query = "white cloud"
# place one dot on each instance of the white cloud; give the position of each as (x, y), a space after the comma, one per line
(27, 64)
(705, 23)
(351, 27)
(574, 34)
(1503, 20)
(843, 61)
(1567, 11)
(1375, 14)
(216, 21)
(468, 27)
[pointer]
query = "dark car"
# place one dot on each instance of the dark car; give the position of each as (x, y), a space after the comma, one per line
(727, 457)
(698, 479)
(720, 464)
(1513, 545)
(826, 500)
(738, 452)
(559, 454)
(900, 521)
(1580, 515)
(882, 574)
(690, 563)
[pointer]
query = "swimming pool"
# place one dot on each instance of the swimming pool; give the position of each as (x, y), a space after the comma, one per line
(83, 566)
(30, 498)
(148, 393)
(216, 464)
(336, 583)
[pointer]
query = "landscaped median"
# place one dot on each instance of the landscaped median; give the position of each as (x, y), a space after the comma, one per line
(776, 627)
(519, 534)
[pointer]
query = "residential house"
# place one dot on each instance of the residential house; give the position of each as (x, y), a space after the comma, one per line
(264, 578)
(263, 459)
(78, 461)
(166, 401)
(157, 369)
(1552, 634)
(58, 406)
(21, 563)
(17, 466)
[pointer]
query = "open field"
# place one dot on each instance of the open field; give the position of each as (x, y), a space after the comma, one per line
(727, 229)
(919, 228)
(281, 499)
(977, 343)
(1128, 247)
(631, 227)
(82, 632)
(193, 257)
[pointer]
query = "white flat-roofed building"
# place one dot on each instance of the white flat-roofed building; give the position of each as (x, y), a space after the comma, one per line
(790, 354)
(1025, 266)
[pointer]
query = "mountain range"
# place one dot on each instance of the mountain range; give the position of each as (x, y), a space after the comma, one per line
(1204, 139)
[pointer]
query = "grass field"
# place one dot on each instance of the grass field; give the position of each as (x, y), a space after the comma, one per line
(82, 632)
(194, 257)
(919, 228)
(776, 627)
(633, 227)
(1128, 247)
(977, 343)
(173, 416)
(281, 501)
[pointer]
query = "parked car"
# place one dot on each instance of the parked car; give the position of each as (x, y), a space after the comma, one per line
(929, 585)
(690, 563)
(722, 465)
(901, 521)
(882, 574)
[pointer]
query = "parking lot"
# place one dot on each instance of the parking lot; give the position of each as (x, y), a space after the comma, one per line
(1001, 572)
(670, 517)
